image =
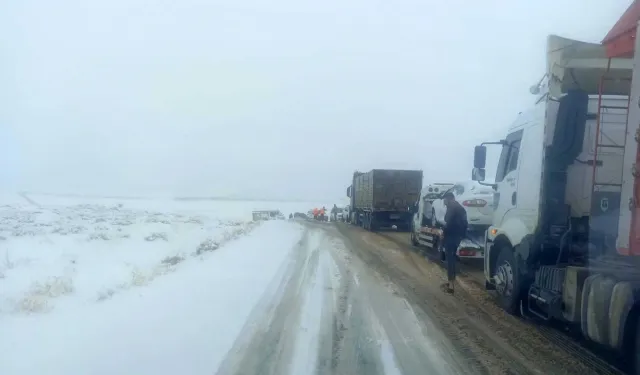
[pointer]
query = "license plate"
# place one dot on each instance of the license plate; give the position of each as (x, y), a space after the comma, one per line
(394, 216)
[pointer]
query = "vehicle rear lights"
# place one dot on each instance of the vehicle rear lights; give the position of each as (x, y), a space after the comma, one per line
(466, 253)
(474, 203)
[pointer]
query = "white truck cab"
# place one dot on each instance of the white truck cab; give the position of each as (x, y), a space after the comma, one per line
(545, 177)
(564, 244)
(558, 247)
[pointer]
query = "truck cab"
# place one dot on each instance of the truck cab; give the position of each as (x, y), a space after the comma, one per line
(558, 245)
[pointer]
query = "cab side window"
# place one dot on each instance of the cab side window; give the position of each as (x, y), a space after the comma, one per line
(512, 162)
(509, 156)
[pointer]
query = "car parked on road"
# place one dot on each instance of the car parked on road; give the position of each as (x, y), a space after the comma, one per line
(477, 200)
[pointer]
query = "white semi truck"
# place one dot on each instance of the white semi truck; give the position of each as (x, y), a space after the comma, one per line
(425, 233)
(564, 244)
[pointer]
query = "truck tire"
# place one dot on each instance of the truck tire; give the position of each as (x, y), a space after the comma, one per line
(434, 221)
(635, 351)
(414, 239)
(509, 291)
(442, 253)
(373, 224)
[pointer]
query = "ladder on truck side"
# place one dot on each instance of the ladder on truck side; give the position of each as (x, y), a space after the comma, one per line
(607, 183)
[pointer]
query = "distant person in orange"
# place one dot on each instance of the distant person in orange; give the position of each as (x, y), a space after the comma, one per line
(315, 213)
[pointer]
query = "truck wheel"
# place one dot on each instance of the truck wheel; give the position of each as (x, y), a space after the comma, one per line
(507, 280)
(441, 250)
(414, 240)
(373, 225)
(635, 352)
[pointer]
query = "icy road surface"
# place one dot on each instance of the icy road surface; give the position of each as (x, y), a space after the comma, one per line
(102, 287)
(326, 313)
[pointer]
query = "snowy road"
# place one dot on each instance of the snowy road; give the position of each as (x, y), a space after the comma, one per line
(326, 313)
(348, 301)
(161, 287)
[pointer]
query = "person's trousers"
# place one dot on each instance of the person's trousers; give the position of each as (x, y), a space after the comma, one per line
(451, 249)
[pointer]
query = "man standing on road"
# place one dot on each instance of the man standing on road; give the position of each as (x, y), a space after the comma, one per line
(455, 230)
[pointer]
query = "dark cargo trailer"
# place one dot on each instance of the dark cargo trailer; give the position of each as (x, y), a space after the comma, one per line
(383, 198)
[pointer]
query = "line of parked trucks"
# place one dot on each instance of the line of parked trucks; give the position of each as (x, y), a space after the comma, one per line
(386, 198)
(559, 229)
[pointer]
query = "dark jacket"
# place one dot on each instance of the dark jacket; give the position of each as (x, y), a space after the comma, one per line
(455, 221)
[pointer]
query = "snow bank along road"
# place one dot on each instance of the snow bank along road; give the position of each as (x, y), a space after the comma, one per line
(103, 288)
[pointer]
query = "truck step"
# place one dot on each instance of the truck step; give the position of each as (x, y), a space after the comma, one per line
(550, 278)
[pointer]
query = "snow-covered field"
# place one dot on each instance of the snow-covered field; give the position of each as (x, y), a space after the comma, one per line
(83, 280)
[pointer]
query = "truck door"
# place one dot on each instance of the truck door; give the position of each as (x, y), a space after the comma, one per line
(505, 197)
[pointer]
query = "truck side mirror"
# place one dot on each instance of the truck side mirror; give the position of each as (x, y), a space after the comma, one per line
(480, 157)
(477, 174)
(349, 192)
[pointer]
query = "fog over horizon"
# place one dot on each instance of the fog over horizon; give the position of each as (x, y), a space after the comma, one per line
(265, 100)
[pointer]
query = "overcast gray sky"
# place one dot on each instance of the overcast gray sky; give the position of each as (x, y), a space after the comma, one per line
(277, 98)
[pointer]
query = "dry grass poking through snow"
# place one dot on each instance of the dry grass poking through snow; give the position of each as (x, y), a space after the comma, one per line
(39, 295)
(91, 252)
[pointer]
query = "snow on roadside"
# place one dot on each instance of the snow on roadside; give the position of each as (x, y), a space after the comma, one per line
(185, 324)
(68, 256)
(229, 209)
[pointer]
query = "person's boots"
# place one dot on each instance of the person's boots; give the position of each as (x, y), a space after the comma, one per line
(447, 287)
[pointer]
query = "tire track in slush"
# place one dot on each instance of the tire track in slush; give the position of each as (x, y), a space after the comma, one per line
(266, 343)
(473, 340)
(362, 327)
(404, 343)
(347, 347)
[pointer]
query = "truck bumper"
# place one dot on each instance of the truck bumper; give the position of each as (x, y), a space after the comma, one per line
(471, 248)
(390, 218)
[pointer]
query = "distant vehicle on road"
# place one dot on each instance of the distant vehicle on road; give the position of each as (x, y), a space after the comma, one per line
(267, 215)
(384, 197)
(346, 213)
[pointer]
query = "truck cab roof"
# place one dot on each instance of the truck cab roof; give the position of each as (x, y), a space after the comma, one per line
(573, 64)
